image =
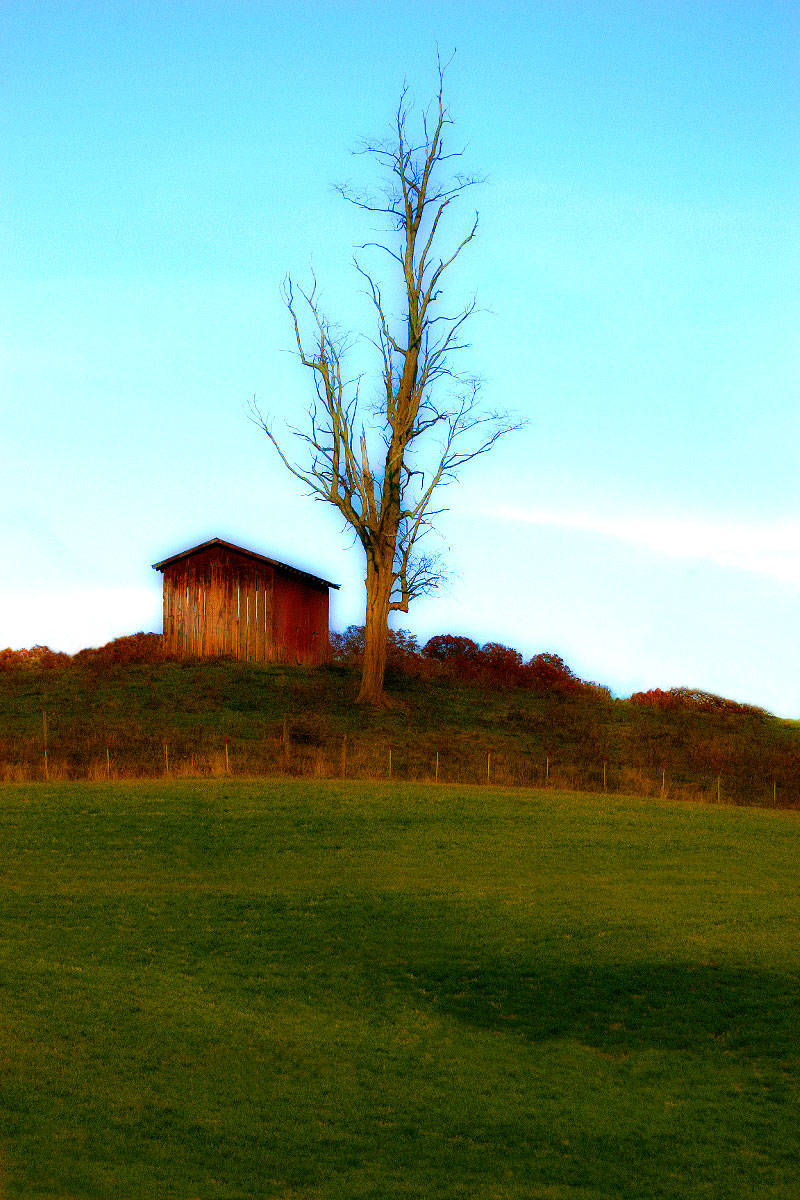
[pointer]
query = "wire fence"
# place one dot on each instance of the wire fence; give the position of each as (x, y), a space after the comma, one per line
(283, 753)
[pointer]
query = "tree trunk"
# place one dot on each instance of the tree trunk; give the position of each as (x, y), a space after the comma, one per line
(376, 634)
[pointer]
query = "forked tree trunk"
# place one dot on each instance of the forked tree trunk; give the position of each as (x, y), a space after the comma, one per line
(376, 635)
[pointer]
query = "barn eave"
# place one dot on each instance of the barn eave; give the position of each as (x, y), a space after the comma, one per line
(294, 572)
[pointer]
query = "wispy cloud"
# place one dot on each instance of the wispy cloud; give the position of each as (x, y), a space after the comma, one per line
(769, 548)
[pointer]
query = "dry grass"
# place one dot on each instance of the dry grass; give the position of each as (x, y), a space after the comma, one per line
(207, 720)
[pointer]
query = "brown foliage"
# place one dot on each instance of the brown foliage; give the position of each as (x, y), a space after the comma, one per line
(459, 658)
(496, 665)
(685, 699)
(453, 656)
(545, 726)
(35, 657)
(549, 673)
(134, 648)
(347, 649)
(449, 647)
(500, 664)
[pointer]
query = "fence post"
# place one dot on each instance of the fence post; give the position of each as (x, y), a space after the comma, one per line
(166, 758)
(344, 756)
(227, 760)
(604, 775)
(285, 744)
(489, 765)
(44, 737)
(437, 764)
(390, 760)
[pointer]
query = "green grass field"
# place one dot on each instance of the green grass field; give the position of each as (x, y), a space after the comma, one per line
(219, 989)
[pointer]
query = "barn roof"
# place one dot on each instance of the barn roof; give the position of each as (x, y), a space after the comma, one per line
(294, 571)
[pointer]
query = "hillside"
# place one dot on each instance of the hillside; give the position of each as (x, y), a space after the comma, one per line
(128, 719)
(243, 990)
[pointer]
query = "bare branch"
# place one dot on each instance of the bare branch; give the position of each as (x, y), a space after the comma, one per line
(423, 442)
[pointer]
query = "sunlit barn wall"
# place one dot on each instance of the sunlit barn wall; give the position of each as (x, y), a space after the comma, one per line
(223, 600)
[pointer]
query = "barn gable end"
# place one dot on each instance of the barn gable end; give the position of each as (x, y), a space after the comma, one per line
(221, 599)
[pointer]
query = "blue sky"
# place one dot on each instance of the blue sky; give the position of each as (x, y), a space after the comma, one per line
(164, 165)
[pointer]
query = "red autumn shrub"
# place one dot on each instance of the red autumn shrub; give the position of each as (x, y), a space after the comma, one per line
(549, 673)
(709, 702)
(656, 698)
(348, 648)
(404, 651)
(36, 656)
(692, 700)
(495, 664)
(454, 656)
(446, 647)
(133, 648)
(500, 664)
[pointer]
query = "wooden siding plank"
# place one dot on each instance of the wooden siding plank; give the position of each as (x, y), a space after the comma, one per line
(219, 604)
(259, 648)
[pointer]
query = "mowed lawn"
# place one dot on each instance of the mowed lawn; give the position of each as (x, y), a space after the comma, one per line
(229, 989)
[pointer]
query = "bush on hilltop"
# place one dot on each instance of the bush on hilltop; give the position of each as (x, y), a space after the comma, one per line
(35, 657)
(684, 699)
(134, 648)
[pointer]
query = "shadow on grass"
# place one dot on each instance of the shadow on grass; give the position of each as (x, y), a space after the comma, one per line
(617, 1009)
(202, 1044)
(260, 952)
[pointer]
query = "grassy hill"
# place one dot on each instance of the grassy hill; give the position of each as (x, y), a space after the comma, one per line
(210, 717)
(310, 990)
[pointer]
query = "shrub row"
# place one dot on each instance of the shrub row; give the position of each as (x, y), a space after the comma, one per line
(445, 655)
(683, 699)
(135, 648)
(32, 659)
(460, 658)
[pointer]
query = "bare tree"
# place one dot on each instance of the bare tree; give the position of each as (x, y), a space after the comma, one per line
(424, 438)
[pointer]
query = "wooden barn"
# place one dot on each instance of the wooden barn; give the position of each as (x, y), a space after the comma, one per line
(223, 599)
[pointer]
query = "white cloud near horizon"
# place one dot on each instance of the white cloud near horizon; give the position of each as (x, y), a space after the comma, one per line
(770, 548)
(73, 619)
